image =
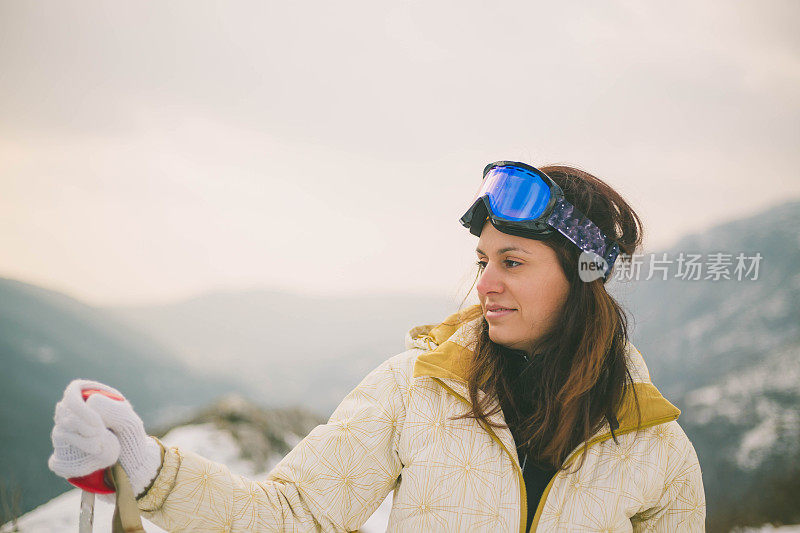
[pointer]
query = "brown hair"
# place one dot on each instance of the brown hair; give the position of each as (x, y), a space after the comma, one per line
(583, 376)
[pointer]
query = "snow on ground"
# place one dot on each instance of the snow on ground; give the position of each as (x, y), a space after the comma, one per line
(212, 443)
(771, 529)
(62, 512)
(757, 442)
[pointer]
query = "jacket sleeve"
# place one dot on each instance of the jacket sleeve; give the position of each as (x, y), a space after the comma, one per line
(332, 480)
(682, 506)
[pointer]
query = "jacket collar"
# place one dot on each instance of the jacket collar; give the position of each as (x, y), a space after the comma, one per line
(449, 346)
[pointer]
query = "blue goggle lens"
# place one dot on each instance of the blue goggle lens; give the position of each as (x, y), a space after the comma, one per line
(515, 193)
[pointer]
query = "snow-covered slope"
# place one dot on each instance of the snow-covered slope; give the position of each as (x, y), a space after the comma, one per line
(727, 353)
(772, 529)
(762, 402)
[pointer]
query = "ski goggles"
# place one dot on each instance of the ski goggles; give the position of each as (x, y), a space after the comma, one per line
(522, 200)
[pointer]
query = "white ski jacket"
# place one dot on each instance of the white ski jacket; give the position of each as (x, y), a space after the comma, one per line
(393, 433)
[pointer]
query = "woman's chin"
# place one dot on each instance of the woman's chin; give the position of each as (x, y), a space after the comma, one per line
(498, 337)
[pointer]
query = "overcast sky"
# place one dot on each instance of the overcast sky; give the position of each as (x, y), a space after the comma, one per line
(153, 150)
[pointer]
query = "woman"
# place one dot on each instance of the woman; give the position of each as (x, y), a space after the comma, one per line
(528, 412)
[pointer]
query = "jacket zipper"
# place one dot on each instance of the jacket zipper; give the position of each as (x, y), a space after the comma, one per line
(523, 493)
(577, 451)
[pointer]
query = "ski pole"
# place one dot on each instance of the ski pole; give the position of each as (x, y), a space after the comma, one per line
(96, 482)
(86, 518)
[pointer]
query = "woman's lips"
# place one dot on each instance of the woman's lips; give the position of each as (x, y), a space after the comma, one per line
(498, 313)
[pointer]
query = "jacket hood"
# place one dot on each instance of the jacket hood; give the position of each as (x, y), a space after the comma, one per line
(450, 345)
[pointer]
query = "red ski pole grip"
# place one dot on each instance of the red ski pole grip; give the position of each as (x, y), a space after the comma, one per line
(97, 482)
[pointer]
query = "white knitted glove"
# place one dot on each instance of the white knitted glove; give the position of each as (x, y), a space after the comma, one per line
(81, 442)
(87, 447)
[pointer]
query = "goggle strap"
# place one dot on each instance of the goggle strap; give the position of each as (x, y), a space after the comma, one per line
(575, 226)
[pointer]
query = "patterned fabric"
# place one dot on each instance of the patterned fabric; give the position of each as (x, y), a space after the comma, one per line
(393, 433)
(574, 225)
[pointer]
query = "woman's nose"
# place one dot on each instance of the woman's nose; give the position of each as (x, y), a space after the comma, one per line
(489, 280)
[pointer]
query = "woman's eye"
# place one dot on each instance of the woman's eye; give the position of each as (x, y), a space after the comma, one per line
(510, 263)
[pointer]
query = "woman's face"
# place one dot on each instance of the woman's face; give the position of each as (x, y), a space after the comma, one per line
(523, 279)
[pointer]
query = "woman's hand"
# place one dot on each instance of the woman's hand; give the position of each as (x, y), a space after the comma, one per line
(82, 443)
(93, 434)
